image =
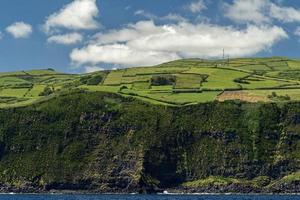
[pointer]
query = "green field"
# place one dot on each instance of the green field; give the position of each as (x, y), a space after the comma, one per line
(188, 81)
(180, 82)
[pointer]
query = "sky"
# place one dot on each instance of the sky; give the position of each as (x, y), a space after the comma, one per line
(79, 36)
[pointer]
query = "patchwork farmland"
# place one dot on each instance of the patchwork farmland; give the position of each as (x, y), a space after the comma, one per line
(175, 83)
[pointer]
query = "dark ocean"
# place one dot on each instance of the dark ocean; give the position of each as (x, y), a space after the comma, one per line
(149, 197)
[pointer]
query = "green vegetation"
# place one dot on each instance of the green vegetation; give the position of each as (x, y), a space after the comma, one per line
(275, 97)
(105, 142)
(188, 81)
(95, 80)
(211, 181)
(176, 83)
(114, 78)
(161, 80)
(47, 91)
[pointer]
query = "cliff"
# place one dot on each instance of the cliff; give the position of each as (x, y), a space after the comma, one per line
(101, 142)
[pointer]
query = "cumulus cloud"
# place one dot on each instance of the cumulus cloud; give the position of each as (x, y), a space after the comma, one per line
(67, 39)
(20, 30)
(285, 14)
(260, 11)
(146, 43)
(248, 11)
(297, 31)
(79, 14)
(196, 6)
(132, 31)
(120, 54)
(168, 17)
(90, 69)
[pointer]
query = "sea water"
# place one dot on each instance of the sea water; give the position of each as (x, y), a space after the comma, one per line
(149, 197)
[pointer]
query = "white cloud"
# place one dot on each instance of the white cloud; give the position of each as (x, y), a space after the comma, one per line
(170, 17)
(119, 54)
(196, 6)
(247, 11)
(146, 43)
(19, 30)
(297, 31)
(67, 39)
(174, 17)
(138, 30)
(260, 11)
(79, 14)
(90, 69)
(145, 14)
(285, 14)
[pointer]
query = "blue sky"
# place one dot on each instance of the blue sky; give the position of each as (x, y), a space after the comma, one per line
(86, 35)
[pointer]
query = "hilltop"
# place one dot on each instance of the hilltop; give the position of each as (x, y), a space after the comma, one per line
(176, 83)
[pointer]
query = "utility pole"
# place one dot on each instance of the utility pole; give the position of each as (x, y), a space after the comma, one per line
(228, 60)
(223, 54)
(223, 60)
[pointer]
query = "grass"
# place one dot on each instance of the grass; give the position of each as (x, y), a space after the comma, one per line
(18, 103)
(141, 85)
(258, 182)
(188, 81)
(278, 65)
(12, 81)
(259, 95)
(291, 74)
(223, 79)
(19, 73)
(162, 88)
(57, 80)
(114, 78)
(197, 81)
(13, 92)
(242, 95)
(41, 72)
(201, 70)
(286, 179)
(138, 78)
(101, 88)
(258, 83)
(294, 65)
(256, 67)
(35, 91)
(154, 70)
(220, 181)
(293, 93)
(176, 98)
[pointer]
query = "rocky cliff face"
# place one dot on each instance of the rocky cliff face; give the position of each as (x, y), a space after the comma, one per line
(106, 143)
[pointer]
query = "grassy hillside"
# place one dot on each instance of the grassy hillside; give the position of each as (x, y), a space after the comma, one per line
(181, 82)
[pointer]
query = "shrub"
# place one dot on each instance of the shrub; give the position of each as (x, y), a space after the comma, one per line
(84, 79)
(95, 80)
(47, 91)
(124, 87)
(241, 80)
(276, 97)
(163, 80)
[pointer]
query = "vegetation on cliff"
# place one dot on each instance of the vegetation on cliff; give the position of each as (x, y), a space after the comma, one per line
(105, 142)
